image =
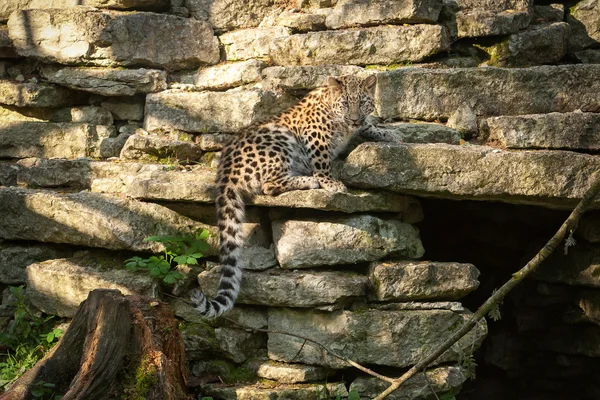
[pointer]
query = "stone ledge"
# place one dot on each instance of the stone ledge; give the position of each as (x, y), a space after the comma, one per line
(430, 94)
(90, 219)
(15, 258)
(379, 45)
(36, 95)
(107, 81)
(292, 289)
(570, 131)
(299, 391)
(391, 338)
(56, 287)
(473, 172)
(381, 12)
(111, 38)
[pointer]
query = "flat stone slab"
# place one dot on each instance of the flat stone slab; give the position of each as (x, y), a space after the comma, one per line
(483, 22)
(56, 287)
(348, 14)
(537, 45)
(53, 140)
(421, 133)
(225, 15)
(43, 95)
(343, 240)
(571, 131)
(425, 280)
(107, 81)
(291, 288)
(441, 379)
(298, 391)
(223, 76)
(391, 338)
(379, 45)
(112, 38)
(8, 6)
(211, 111)
(245, 44)
(155, 148)
(90, 219)
(306, 76)
(430, 94)
(555, 179)
(292, 373)
(14, 258)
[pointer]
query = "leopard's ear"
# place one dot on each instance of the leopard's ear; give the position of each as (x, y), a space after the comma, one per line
(334, 84)
(369, 84)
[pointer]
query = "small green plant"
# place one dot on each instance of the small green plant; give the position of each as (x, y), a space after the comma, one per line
(27, 339)
(179, 250)
(45, 390)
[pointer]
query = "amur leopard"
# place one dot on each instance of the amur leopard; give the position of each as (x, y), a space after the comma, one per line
(292, 151)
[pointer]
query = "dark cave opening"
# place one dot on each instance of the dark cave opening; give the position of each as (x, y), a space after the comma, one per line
(542, 348)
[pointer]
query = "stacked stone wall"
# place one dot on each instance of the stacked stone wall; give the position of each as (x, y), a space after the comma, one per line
(113, 113)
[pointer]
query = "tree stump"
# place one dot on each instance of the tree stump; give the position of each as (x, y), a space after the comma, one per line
(125, 347)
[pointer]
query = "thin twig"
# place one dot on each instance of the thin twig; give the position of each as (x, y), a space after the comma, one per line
(430, 385)
(497, 296)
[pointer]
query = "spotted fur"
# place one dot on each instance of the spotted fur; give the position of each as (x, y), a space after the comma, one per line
(292, 151)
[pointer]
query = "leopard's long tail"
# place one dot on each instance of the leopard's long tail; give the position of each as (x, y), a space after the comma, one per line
(230, 215)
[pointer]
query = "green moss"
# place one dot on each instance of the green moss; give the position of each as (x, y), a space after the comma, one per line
(231, 373)
(143, 380)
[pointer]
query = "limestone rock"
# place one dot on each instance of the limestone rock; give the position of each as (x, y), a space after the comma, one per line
(125, 108)
(465, 121)
(301, 22)
(238, 345)
(380, 12)
(584, 19)
(573, 131)
(579, 267)
(225, 15)
(85, 114)
(306, 77)
(112, 38)
(473, 172)
(89, 115)
(53, 140)
(426, 280)
(211, 111)
(441, 379)
(379, 45)
(548, 13)
(482, 22)
(15, 258)
(343, 240)
(107, 81)
(280, 392)
(421, 133)
(429, 94)
(153, 148)
(291, 289)
(90, 219)
(251, 43)
(541, 44)
(391, 338)
(35, 95)
(292, 373)
(56, 287)
(224, 76)
(8, 6)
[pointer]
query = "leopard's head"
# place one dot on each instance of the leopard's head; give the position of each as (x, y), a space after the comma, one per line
(352, 98)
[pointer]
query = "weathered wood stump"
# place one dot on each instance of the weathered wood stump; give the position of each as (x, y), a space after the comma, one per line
(116, 347)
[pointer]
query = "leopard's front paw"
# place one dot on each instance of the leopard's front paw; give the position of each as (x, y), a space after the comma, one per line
(332, 185)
